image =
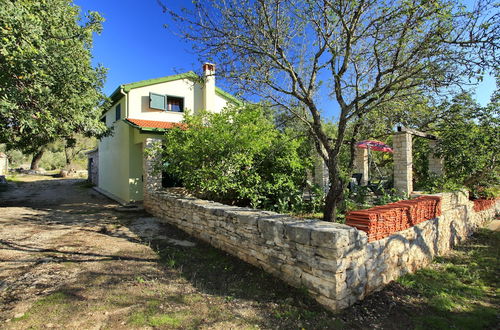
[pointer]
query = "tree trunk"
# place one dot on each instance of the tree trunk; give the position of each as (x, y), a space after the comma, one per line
(69, 157)
(37, 157)
(335, 193)
(330, 211)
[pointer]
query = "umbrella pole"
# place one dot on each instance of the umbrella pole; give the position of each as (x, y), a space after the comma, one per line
(378, 170)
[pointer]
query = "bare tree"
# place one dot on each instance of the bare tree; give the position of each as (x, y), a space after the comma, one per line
(364, 53)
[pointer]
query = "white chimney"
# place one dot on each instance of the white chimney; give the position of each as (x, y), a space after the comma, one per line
(209, 86)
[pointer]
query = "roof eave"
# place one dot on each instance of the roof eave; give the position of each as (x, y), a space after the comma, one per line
(125, 88)
(228, 96)
(149, 130)
(143, 83)
(117, 94)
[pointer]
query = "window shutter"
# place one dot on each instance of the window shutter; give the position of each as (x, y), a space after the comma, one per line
(157, 101)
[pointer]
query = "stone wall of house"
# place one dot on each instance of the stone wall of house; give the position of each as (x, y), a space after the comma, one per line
(333, 261)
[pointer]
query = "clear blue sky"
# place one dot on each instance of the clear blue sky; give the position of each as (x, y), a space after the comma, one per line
(134, 44)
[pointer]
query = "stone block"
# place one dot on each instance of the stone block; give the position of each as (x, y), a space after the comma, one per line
(329, 253)
(292, 274)
(325, 264)
(324, 287)
(331, 235)
(271, 229)
(299, 231)
(328, 303)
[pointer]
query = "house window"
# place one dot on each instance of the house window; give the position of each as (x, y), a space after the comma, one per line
(166, 102)
(103, 120)
(175, 104)
(157, 101)
(118, 112)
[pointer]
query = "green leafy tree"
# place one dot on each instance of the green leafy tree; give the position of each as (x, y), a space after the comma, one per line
(237, 156)
(469, 142)
(363, 54)
(48, 86)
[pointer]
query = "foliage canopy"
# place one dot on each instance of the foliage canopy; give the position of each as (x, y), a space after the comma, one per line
(469, 142)
(48, 86)
(238, 156)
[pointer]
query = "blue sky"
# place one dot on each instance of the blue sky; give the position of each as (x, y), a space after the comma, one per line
(135, 45)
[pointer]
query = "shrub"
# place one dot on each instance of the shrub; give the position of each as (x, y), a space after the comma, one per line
(238, 157)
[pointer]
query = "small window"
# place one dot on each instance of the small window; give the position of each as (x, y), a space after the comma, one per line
(157, 101)
(175, 104)
(118, 112)
(103, 120)
(165, 102)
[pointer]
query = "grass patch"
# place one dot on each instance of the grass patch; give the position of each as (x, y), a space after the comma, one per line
(192, 299)
(55, 306)
(21, 318)
(165, 319)
(460, 288)
(15, 178)
(153, 316)
(57, 298)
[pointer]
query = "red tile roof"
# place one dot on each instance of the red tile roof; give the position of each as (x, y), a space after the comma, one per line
(155, 124)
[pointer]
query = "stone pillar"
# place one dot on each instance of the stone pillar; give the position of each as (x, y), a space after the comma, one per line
(403, 162)
(151, 178)
(436, 164)
(361, 164)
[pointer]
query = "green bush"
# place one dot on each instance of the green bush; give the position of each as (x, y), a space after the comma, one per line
(238, 157)
(53, 160)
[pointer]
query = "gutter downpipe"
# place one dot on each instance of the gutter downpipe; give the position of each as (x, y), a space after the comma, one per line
(126, 100)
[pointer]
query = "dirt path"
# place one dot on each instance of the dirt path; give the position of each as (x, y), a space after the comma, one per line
(68, 259)
(59, 235)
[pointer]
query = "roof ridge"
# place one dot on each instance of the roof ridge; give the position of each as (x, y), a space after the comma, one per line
(159, 80)
(186, 75)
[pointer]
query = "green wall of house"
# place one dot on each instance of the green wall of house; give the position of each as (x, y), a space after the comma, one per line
(114, 153)
(121, 159)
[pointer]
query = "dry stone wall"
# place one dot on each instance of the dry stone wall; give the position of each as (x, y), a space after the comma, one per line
(333, 261)
(313, 254)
